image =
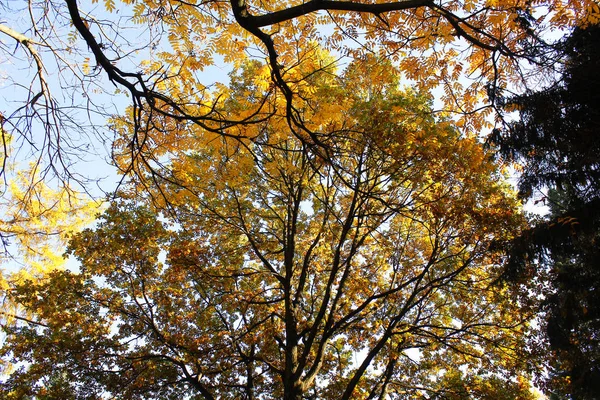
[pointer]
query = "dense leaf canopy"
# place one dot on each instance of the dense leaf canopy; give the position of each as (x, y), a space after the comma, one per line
(261, 270)
(309, 230)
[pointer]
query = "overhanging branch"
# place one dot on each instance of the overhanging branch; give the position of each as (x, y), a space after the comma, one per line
(329, 5)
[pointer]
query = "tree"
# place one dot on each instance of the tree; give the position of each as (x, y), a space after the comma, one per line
(39, 221)
(424, 37)
(81, 59)
(556, 142)
(35, 227)
(48, 113)
(435, 42)
(262, 270)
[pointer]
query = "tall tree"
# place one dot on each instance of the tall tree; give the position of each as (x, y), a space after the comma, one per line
(556, 142)
(261, 270)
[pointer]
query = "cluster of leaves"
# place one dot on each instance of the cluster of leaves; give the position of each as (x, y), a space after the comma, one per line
(37, 223)
(257, 269)
(556, 142)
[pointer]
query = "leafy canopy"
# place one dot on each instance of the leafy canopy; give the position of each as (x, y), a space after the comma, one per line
(256, 269)
(82, 59)
(156, 53)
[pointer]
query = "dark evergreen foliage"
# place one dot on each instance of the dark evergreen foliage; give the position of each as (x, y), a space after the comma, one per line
(557, 140)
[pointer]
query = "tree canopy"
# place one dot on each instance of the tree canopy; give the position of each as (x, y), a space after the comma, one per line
(261, 270)
(155, 53)
(308, 229)
(71, 66)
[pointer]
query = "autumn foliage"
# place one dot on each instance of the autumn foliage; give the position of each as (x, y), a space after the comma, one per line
(314, 229)
(258, 269)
